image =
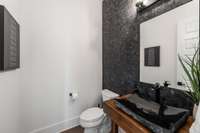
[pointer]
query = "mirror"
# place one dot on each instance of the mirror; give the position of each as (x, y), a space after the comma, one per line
(175, 32)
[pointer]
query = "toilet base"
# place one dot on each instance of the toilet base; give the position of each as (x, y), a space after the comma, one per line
(91, 130)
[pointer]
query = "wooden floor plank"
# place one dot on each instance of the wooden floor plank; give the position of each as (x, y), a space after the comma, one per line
(78, 129)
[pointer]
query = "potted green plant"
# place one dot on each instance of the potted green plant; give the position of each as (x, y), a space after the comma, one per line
(191, 67)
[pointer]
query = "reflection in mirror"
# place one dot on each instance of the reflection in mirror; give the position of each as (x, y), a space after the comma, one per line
(176, 32)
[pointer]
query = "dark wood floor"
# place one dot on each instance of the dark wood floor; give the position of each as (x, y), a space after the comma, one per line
(78, 129)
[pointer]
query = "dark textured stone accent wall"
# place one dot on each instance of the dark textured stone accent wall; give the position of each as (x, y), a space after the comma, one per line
(121, 40)
(120, 49)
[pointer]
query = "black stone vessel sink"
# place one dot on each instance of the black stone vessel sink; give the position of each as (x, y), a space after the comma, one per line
(158, 118)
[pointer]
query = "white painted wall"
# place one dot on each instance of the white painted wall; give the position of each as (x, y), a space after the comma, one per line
(9, 87)
(61, 52)
(162, 31)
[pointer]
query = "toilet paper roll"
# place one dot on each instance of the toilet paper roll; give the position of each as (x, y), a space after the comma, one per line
(74, 95)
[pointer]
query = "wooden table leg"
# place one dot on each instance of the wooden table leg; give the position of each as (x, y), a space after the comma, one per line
(114, 127)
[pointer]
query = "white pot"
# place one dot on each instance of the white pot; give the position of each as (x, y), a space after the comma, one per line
(194, 113)
(196, 124)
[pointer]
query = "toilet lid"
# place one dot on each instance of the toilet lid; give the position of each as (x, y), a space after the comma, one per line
(92, 114)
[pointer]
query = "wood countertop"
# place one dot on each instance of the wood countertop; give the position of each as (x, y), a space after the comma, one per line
(128, 123)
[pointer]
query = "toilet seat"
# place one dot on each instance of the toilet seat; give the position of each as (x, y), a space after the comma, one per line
(92, 115)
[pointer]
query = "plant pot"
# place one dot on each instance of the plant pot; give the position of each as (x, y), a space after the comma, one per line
(194, 113)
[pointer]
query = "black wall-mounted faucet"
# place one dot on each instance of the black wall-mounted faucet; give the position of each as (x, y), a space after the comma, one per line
(157, 88)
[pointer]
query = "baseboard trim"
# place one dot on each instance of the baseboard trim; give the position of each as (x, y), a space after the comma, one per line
(59, 126)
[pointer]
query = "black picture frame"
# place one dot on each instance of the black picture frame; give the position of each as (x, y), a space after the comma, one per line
(9, 41)
(152, 56)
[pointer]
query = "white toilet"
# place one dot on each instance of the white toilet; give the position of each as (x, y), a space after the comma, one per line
(91, 119)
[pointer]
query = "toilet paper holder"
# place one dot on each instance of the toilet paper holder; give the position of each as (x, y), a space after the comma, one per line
(70, 94)
(73, 95)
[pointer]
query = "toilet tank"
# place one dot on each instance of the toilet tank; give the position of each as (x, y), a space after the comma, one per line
(107, 95)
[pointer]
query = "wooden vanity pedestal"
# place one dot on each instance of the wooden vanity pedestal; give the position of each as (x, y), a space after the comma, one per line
(128, 124)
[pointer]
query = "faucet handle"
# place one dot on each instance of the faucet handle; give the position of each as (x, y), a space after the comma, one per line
(156, 85)
(166, 83)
